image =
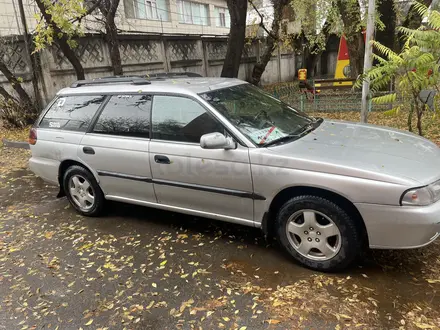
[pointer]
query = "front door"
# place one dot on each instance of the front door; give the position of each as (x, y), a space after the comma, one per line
(212, 182)
(117, 148)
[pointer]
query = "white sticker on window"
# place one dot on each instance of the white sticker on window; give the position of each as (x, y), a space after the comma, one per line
(124, 96)
(266, 135)
(54, 124)
(61, 102)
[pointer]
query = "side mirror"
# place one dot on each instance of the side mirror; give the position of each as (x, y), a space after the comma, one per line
(217, 141)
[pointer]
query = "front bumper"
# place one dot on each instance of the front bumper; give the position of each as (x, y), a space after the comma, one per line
(400, 227)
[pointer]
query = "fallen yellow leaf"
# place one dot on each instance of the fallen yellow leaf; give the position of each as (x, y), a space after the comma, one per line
(433, 281)
(424, 325)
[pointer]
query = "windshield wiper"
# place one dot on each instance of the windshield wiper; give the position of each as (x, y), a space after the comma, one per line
(309, 127)
(318, 121)
(297, 134)
(281, 139)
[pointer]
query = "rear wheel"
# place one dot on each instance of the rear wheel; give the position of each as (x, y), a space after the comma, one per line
(82, 191)
(318, 233)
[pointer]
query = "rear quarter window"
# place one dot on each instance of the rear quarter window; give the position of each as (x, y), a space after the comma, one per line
(72, 113)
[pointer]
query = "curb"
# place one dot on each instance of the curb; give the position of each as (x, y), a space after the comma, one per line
(15, 144)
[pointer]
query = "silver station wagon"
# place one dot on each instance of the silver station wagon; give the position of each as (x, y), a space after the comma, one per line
(224, 149)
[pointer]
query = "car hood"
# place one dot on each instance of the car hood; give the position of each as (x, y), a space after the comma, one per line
(366, 151)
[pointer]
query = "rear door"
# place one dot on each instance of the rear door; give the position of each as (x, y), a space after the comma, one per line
(117, 148)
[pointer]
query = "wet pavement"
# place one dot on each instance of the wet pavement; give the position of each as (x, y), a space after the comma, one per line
(140, 268)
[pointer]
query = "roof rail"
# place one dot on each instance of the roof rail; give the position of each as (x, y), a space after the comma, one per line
(173, 75)
(111, 80)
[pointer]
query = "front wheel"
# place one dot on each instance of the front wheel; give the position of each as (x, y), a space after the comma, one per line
(318, 233)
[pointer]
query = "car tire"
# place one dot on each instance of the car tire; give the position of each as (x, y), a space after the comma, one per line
(83, 192)
(318, 233)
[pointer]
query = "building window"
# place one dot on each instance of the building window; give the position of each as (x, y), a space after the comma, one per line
(193, 12)
(147, 9)
(222, 17)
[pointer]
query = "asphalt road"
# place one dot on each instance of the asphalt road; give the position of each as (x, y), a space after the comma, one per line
(140, 268)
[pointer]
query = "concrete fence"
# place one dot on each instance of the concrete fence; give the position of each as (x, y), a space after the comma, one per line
(141, 54)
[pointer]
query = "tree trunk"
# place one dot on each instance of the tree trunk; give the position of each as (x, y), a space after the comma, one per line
(26, 101)
(272, 42)
(312, 61)
(387, 36)
(260, 66)
(237, 34)
(351, 17)
(413, 19)
(316, 52)
(419, 113)
(410, 116)
(419, 121)
(113, 45)
(108, 9)
(6, 95)
(62, 41)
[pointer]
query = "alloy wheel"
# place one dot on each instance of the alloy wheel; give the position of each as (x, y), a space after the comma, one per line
(313, 234)
(82, 192)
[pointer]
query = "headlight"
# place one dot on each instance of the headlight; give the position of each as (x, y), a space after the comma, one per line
(422, 196)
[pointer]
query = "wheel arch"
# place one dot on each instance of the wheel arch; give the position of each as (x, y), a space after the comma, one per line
(64, 165)
(290, 192)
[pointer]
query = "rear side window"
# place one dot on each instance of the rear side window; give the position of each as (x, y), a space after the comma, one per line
(72, 113)
(126, 115)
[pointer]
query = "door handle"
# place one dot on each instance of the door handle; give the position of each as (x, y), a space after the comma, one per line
(162, 159)
(88, 150)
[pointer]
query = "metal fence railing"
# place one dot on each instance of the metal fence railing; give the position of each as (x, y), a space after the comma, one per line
(324, 101)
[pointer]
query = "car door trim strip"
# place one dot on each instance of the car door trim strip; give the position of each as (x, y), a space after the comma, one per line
(224, 191)
(126, 176)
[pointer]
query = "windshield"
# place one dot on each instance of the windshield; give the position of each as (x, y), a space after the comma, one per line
(259, 116)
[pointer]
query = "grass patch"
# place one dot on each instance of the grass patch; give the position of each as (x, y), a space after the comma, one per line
(14, 134)
(12, 159)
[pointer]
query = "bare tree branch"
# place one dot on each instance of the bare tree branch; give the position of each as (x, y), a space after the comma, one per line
(61, 39)
(262, 21)
(16, 85)
(88, 12)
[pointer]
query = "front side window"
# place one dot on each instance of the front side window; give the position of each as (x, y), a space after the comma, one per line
(181, 119)
(125, 115)
(261, 117)
(72, 113)
(193, 12)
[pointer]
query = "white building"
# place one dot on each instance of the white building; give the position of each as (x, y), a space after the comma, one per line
(201, 17)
